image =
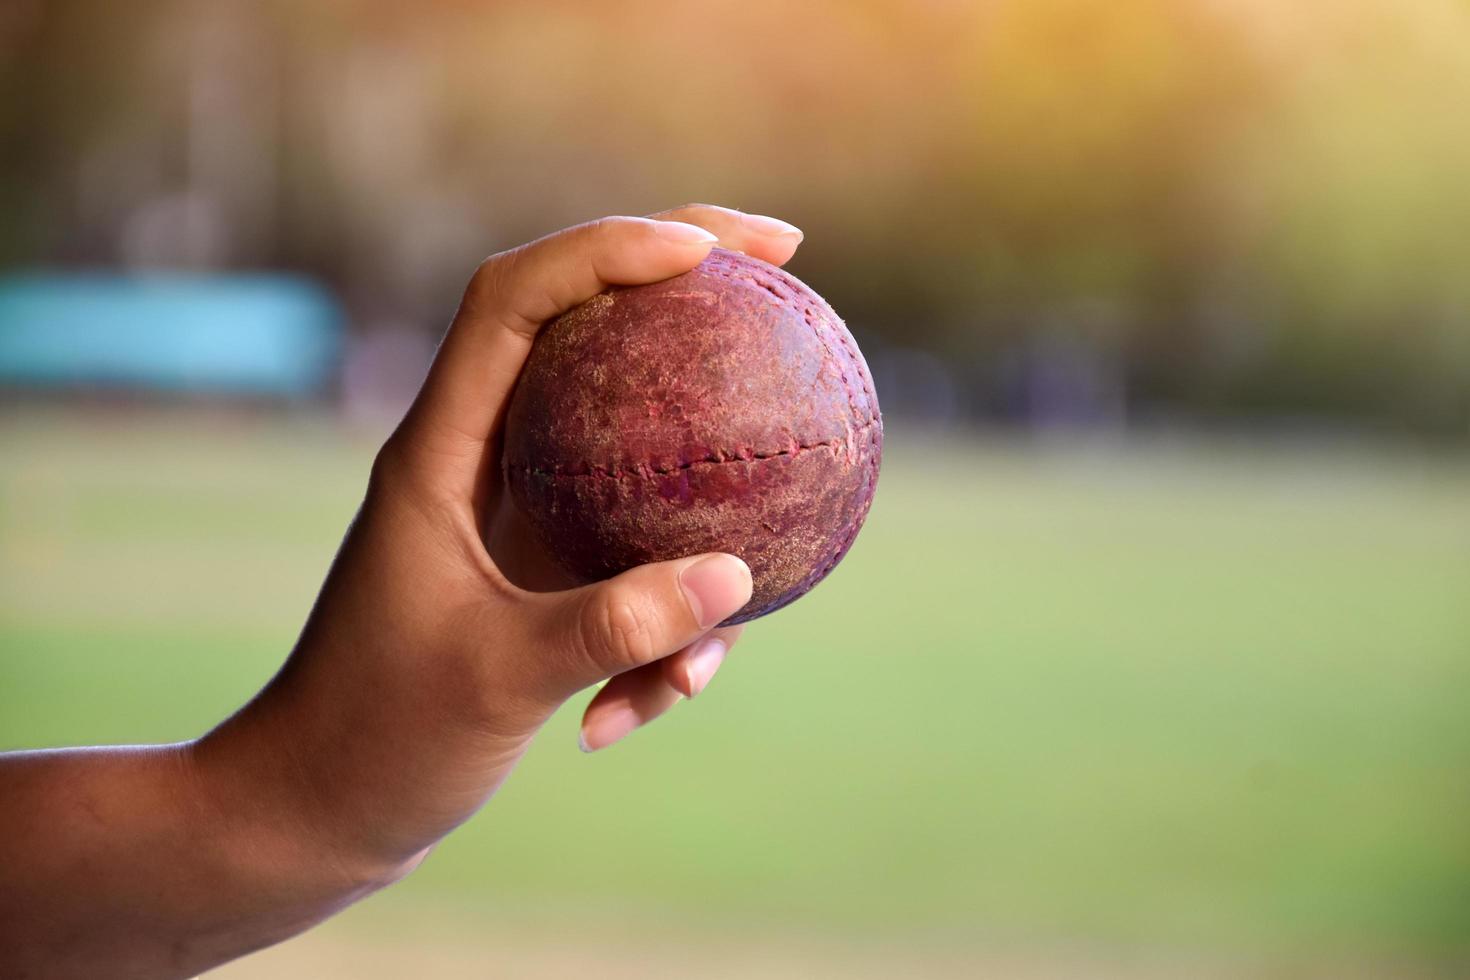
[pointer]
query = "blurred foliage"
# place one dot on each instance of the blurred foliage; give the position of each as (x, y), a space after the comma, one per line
(1234, 207)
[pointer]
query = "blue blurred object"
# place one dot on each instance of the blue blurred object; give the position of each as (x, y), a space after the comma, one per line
(259, 335)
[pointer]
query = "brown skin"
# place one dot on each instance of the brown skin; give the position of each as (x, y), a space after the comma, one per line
(726, 409)
(420, 678)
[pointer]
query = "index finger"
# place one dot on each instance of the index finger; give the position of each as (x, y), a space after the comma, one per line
(757, 235)
(510, 296)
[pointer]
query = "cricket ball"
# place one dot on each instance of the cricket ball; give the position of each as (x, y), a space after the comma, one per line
(725, 409)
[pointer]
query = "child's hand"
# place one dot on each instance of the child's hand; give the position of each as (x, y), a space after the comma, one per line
(428, 663)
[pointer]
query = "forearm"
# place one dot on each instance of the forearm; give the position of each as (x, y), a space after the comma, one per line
(131, 862)
(163, 861)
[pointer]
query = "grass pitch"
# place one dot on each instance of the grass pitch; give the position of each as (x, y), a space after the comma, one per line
(1203, 698)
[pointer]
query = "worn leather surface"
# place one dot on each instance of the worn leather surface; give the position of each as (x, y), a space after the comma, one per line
(726, 409)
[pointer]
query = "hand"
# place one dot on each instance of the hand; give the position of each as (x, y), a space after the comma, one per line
(427, 665)
(431, 658)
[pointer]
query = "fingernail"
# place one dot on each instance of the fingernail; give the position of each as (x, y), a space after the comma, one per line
(761, 224)
(605, 728)
(702, 662)
(715, 587)
(684, 233)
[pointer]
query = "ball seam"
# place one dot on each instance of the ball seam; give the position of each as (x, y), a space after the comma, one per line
(649, 470)
(808, 583)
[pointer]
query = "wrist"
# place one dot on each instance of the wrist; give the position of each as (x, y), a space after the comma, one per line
(269, 823)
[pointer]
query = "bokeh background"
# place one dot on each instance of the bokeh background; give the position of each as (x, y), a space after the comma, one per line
(1155, 657)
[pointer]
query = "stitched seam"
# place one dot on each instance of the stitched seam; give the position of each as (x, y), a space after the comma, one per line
(820, 332)
(717, 458)
(857, 524)
(809, 315)
(808, 583)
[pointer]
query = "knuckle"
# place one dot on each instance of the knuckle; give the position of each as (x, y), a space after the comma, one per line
(399, 479)
(612, 224)
(620, 629)
(388, 468)
(492, 274)
(498, 290)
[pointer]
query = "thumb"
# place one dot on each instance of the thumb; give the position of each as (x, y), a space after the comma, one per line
(640, 616)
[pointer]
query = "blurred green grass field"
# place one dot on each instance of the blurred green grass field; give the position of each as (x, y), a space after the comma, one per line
(1189, 697)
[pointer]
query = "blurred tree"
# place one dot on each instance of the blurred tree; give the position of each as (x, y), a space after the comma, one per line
(1222, 207)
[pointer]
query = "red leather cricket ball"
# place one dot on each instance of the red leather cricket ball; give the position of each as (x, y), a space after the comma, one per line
(725, 409)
